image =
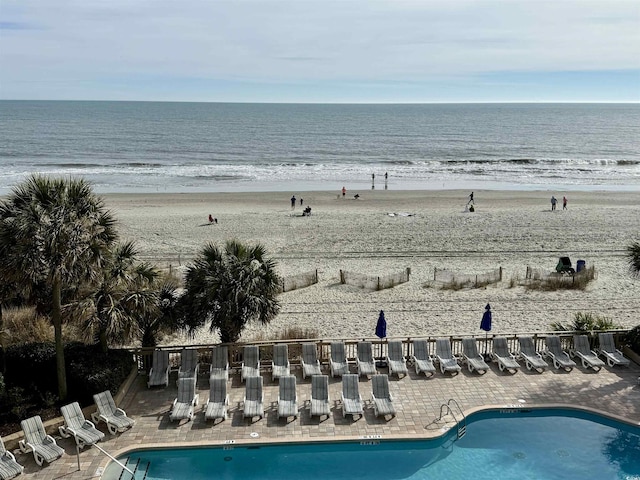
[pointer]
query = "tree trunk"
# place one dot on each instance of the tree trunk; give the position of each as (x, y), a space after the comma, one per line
(56, 315)
(102, 337)
(3, 363)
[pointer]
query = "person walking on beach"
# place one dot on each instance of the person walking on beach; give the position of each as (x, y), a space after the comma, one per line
(293, 202)
(344, 192)
(301, 200)
(564, 203)
(471, 199)
(553, 203)
(373, 181)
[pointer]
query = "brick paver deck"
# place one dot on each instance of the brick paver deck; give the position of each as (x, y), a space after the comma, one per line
(615, 391)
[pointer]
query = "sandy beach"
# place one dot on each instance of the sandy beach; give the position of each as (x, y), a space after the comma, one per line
(509, 229)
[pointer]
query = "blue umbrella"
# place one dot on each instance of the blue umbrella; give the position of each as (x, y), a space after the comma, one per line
(381, 332)
(485, 325)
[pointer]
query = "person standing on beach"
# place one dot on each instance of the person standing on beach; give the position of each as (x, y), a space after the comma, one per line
(553, 203)
(471, 199)
(344, 192)
(293, 202)
(373, 181)
(564, 203)
(301, 200)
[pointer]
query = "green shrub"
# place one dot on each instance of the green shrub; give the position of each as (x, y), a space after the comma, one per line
(586, 322)
(633, 339)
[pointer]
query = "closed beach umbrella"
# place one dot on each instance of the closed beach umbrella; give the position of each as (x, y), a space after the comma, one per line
(381, 332)
(485, 325)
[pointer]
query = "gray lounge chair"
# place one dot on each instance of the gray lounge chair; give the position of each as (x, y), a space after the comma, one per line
(608, 350)
(532, 359)
(503, 357)
(446, 360)
(159, 373)
(381, 397)
(472, 358)
(338, 360)
(187, 399)
(560, 357)
(250, 362)
(351, 399)
(218, 401)
(310, 362)
(115, 418)
(287, 397)
(84, 431)
(36, 440)
(395, 358)
(9, 467)
(219, 363)
(582, 350)
(421, 358)
(253, 403)
(364, 359)
(189, 364)
(280, 365)
(320, 396)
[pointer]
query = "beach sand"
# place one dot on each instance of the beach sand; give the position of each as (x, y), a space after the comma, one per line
(509, 229)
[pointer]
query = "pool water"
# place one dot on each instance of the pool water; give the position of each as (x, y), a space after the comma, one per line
(514, 444)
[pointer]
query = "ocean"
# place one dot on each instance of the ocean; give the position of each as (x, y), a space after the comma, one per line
(225, 147)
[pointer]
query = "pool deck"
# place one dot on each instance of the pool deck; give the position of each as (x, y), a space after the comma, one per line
(614, 391)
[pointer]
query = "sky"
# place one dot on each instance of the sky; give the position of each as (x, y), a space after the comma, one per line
(321, 51)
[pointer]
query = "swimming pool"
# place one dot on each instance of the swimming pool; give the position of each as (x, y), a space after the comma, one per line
(507, 444)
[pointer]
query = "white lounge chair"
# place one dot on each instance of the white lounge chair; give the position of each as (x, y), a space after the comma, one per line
(287, 397)
(351, 399)
(381, 397)
(582, 350)
(280, 365)
(421, 358)
(503, 357)
(84, 431)
(395, 358)
(338, 360)
(532, 359)
(364, 359)
(250, 362)
(310, 362)
(219, 363)
(159, 373)
(9, 467)
(253, 403)
(187, 399)
(189, 363)
(560, 357)
(472, 358)
(608, 350)
(445, 358)
(320, 396)
(36, 440)
(218, 401)
(115, 418)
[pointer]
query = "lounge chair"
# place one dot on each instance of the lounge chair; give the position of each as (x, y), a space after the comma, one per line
(364, 359)
(187, 399)
(189, 364)
(338, 360)
(582, 350)
(9, 467)
(446, 360)
(219, 363)
(216, 406)
(532, 359)
(115, 418)
(608, 350)
(84, 431)
(421, 358)
(503, 357)
(287, 397)
(381, 397)
(159, 373)
(253, 398)
(395, 358)
(351, 399)
(472, 358)
(320, 396)
(36, 440)
(310, 362)
(560, 357)
(280, 365)
(250, 362)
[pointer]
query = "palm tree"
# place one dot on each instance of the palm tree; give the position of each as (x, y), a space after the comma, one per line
(54, 231)
(633, 257)
(229, 288)
(162, 317)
